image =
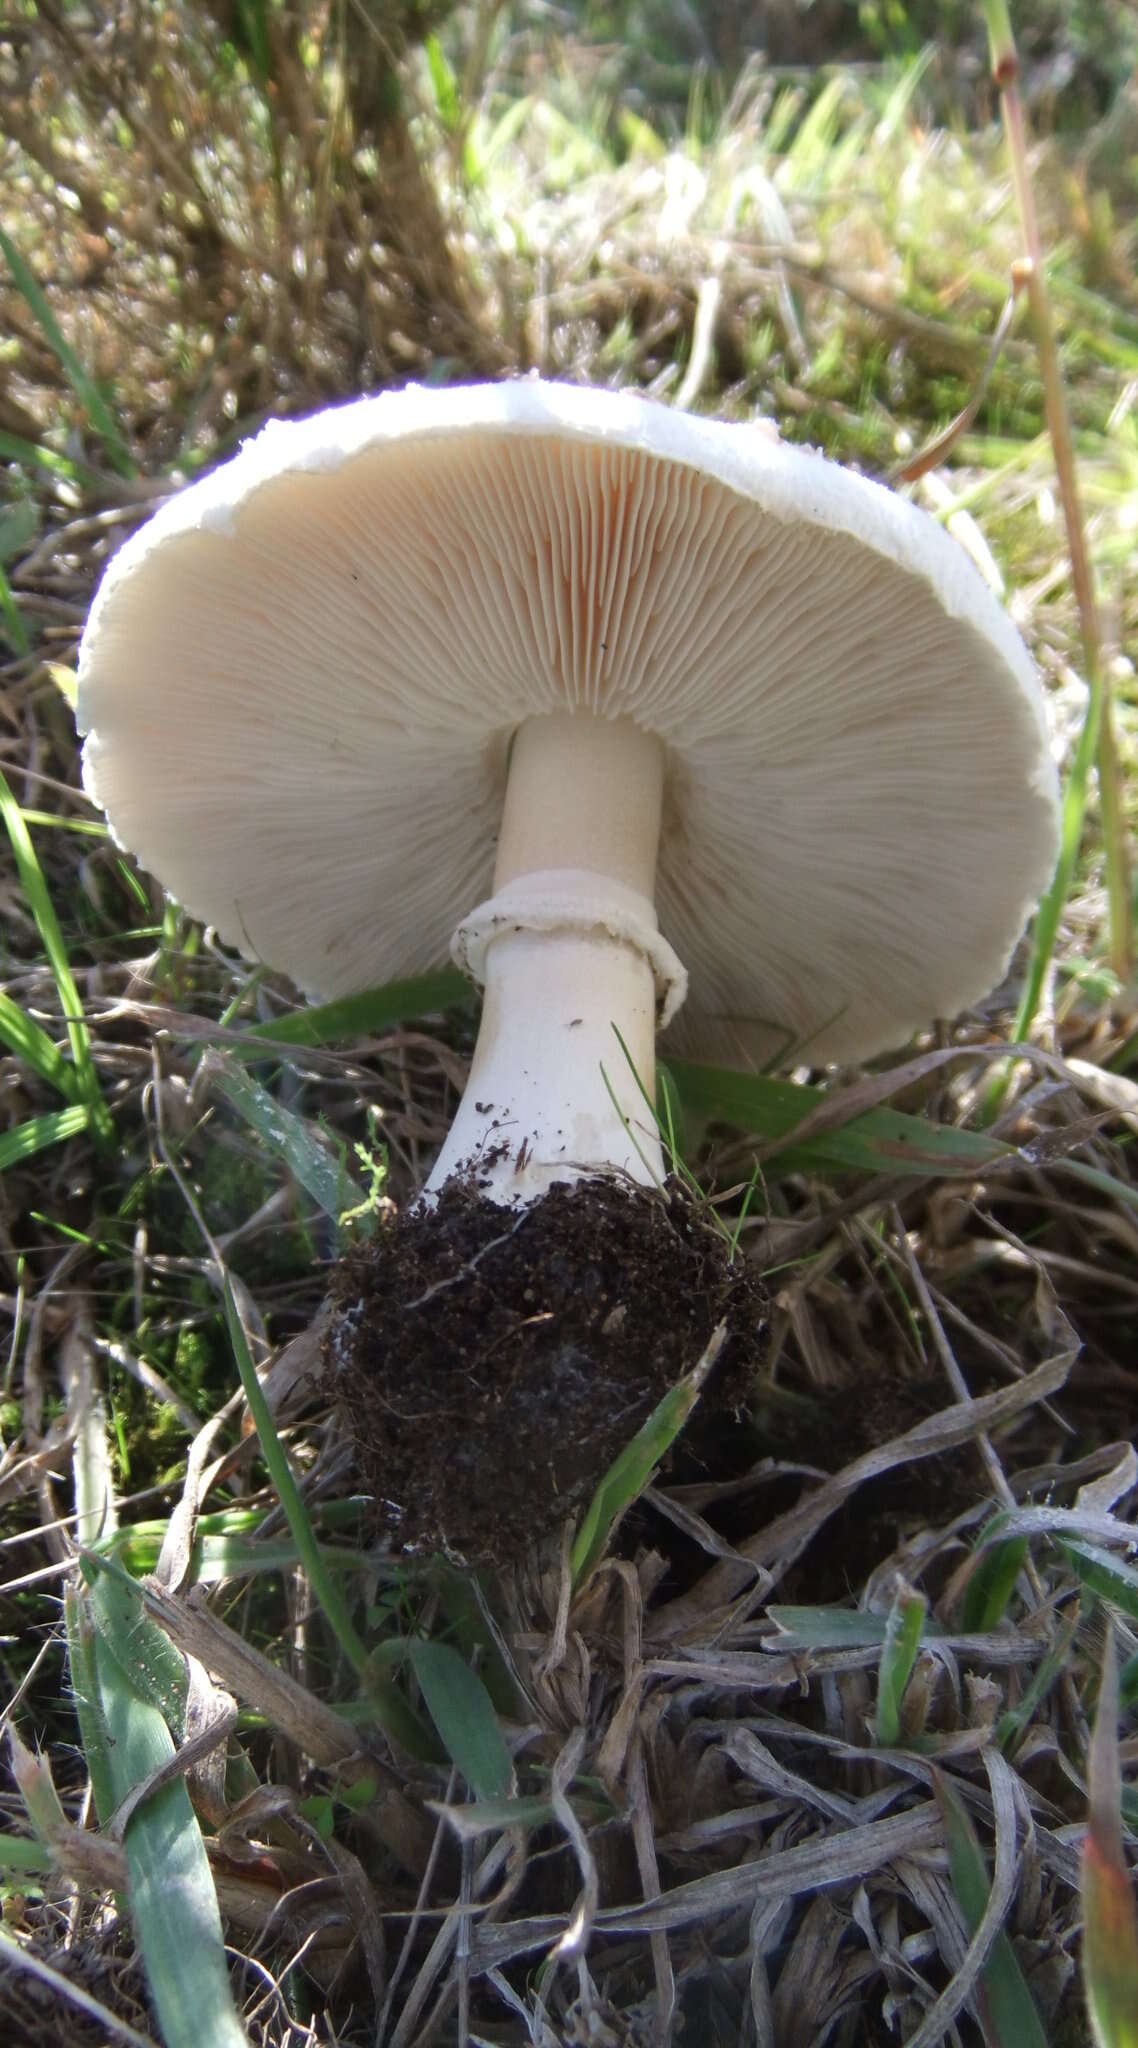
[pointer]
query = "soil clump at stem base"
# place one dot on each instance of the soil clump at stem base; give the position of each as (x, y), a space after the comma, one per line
(491, 1362)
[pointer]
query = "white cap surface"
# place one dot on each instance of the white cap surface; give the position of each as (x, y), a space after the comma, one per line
(299, 682)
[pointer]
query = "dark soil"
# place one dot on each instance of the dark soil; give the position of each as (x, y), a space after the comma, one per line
(491, 1362)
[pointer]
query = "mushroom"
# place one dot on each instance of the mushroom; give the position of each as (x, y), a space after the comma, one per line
(536, 671)
(624, 706)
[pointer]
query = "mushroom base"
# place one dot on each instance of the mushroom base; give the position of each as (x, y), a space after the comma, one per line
(491, 1362)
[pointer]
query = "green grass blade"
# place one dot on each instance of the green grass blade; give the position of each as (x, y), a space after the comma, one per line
(42, 909)
(877, 1140)
(87, 828)
(21, 1857)
(172, 1897)
(990, 1588)
(814, 144)
(903, 1626)
(23, 1036)
(631, 1471)
(16, 631)
(465, 1608)
(831, 1628)
(1008, 2004)
(874, 1141)
(40, 1131)
(157, 1670)
(34, 455)
(375, 1009)
(218, 1557)
(1001, 42)
(1107, 1183)
(292, 1140)
(1110, 1922)
(84, 387)
(93, 1735)
(125, 1723)
(324, 1587)
(92, 1479)
(1051, 906)
(391, 1709)
(19, 526)
(485, 1816)
(1045, 931)
(1102, 1572)
(463, 1712)
(1012, 1724)
(252, 14)
(444, 85)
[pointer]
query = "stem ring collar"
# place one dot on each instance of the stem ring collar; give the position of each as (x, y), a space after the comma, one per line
(568, 900)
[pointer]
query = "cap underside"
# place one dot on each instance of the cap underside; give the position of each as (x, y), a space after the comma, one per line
(299, 714)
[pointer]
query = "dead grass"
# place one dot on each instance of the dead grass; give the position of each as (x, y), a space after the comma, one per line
(712, 1842)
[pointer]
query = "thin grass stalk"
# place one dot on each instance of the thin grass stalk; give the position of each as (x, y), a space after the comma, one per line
(1005, 74)
(86, 390)
(391, 1710)
(1050, 910)
(39, 902)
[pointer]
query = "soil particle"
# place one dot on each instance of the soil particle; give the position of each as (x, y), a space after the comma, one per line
(491, 1362)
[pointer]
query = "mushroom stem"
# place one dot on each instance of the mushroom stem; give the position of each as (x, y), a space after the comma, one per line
(582, 792)
(567, 949)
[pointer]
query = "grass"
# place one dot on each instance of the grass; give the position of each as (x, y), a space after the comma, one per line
(797, 1735)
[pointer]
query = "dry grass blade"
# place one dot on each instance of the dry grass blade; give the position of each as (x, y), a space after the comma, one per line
(1012, 1523)
(644, 1839)
(176, 1555)
(760, 1765)
(574, 1936)
(36, 1786)
(786, 1537)
(785, 1873)
(406, 2033)
(14, 1956)
(934, 451)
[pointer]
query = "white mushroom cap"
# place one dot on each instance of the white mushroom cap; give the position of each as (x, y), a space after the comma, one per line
(299, 682)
